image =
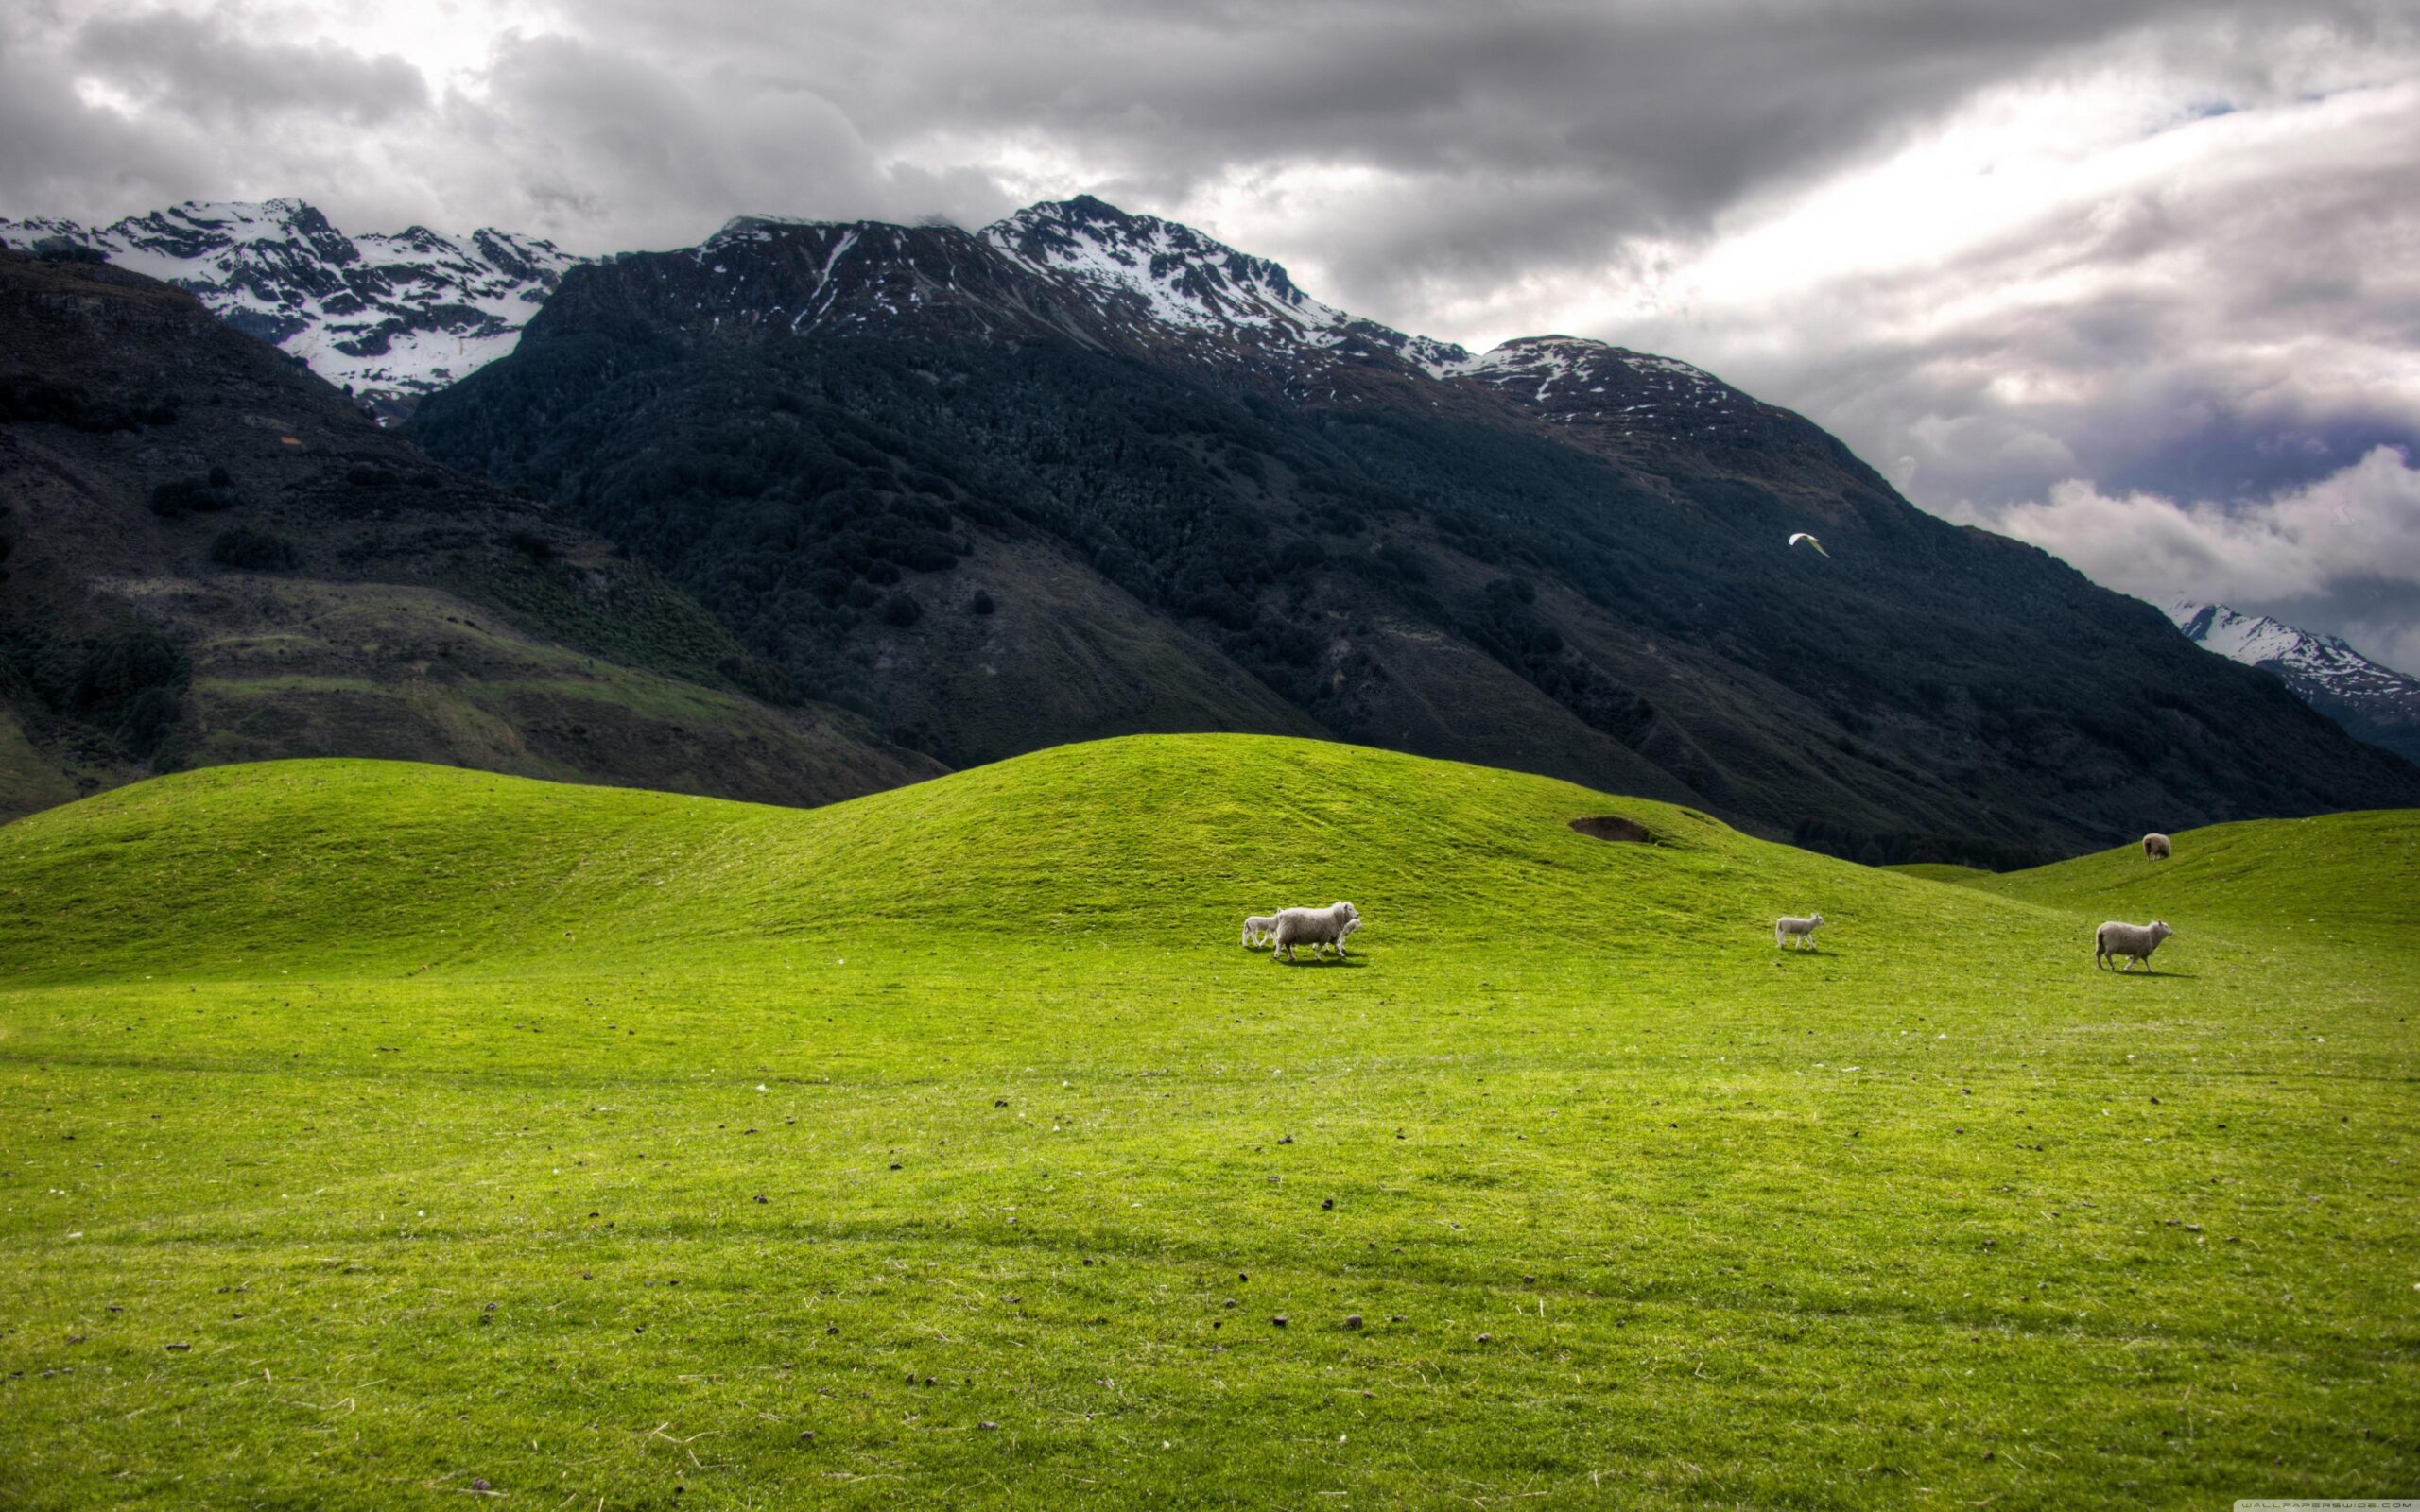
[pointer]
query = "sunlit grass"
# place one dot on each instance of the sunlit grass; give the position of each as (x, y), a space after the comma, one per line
(599, 1146)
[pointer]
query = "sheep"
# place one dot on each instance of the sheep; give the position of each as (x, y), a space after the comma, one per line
(2134, 941)
(2156, 848)
(1314, 927)
(1257, 928)
(1801, 929)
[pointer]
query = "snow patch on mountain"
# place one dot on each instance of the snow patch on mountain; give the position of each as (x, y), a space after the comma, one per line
(394, 316)
(1184, 279)
(2257, 639)
(2374, 702)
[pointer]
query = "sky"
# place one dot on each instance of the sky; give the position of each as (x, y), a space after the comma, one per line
(2135, 279)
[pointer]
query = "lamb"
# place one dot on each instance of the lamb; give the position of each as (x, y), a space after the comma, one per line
(2134, 941)
(1801, 929)
(1314, 927)
(1258, 927)
(2156, 848)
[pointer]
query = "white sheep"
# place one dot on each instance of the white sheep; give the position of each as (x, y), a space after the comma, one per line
(1314, 927)
(1350, 926)
(2157, 848)
(1257, 928)
(1803, 930)
(2134, 941)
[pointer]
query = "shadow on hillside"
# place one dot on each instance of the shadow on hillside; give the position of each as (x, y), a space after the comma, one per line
(1351, 962)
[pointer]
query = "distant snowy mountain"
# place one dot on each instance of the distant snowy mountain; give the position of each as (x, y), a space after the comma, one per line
(398, 316)
(392, 316)
(2376, 703)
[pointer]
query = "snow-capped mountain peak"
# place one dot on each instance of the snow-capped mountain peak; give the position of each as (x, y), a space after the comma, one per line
(394, 316)
(1173, 276)
(2375, 702)
(1184, 279)
(2257, 639)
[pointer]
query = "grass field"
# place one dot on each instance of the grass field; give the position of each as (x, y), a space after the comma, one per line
(372, 1134)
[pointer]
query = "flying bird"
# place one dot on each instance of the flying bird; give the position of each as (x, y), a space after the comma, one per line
(1810, 540)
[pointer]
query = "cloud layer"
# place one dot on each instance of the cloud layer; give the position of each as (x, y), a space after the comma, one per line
(2050, 265)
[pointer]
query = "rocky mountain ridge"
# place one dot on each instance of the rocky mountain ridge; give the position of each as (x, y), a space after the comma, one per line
(2373, 701)
(388, 317)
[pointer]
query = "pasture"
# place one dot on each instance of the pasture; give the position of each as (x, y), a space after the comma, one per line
(372, 1134)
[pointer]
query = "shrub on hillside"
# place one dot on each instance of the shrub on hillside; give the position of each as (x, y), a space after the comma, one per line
(179, 497)
(25, 397)
(254, 550)
(762, 680)
(532, 545)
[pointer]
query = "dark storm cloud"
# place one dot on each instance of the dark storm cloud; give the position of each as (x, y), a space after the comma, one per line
(2212, 307)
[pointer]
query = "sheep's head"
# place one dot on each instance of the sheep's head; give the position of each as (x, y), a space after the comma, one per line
(1343, 910)
(2160, 930)
(1816, 919)
(1351, 926)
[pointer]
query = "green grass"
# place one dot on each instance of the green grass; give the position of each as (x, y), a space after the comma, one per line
(432, 1111)
(1940, 871)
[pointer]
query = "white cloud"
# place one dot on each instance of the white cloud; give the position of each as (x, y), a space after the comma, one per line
(2359, 527)
(2163, 245)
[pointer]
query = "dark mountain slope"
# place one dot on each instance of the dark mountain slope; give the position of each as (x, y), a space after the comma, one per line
(211, 556)
(1560, 556)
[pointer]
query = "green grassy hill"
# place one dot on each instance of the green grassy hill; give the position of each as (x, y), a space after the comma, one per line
(2350, 874)
(368, 1130)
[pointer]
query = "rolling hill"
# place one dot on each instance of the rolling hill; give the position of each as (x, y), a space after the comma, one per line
(373, 1133)
(208, 554)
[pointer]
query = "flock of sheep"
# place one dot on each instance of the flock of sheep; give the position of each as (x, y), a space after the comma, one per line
(1321, 928)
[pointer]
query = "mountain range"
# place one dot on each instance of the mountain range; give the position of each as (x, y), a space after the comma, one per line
(1083, 473)
(388, 317)
(2375, 702)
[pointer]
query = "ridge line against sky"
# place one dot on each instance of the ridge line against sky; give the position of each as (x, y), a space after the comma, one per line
(2136, 282)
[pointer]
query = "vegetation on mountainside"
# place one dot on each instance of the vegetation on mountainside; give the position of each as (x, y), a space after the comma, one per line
(1930, 693)
(271, 575)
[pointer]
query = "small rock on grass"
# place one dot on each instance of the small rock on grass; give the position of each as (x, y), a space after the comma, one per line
(1353, 1320)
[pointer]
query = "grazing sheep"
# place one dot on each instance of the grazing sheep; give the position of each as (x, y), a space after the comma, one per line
(2156, 848)
(1314, 927)
(1801, 929)
(1258, 927)
(1350, 926)
(2134, 941)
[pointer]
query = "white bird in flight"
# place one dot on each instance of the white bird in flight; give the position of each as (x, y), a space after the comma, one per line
(1810, 540)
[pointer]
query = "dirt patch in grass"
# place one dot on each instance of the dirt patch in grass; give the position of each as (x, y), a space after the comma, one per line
(1613, 827)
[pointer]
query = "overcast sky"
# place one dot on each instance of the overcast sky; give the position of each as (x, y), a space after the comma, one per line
(2139, 282)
